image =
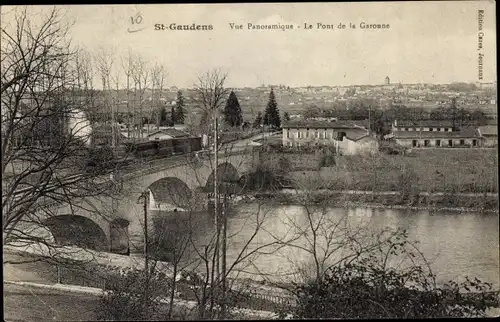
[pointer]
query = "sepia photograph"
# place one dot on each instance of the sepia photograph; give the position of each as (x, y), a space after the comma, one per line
(250, 161)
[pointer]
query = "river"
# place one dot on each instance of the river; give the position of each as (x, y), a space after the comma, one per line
(455, 244)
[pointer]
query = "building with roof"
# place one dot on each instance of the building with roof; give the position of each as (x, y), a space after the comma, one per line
(434, 134)
(489, 133)
(102, 134)
(166, 134)
(346, 137)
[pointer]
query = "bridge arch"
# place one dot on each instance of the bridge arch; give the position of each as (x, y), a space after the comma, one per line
(227, 176)
(172, 191)
(77, 230)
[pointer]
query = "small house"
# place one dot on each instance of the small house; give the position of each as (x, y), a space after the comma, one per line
(166, 134)
(435, 134)
(490, 135)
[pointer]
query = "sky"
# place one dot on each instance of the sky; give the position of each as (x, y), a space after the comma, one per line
(427, 42)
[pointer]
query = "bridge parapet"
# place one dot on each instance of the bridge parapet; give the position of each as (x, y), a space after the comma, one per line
(126, 205)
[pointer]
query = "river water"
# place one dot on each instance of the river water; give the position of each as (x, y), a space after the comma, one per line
(455, 244)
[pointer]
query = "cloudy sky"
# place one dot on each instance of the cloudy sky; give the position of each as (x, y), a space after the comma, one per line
(429, 42)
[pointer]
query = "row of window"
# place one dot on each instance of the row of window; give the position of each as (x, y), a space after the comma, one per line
(317, 135)
(427, 143)
(417, 129)
(298, 144)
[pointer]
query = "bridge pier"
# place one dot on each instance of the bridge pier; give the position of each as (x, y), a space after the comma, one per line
(117, 221)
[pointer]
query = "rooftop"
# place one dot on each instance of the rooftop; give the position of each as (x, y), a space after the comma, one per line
(488, 130)
(467, 132)
(321, 124)
(172, 132)
(426, 123)
(356, 134)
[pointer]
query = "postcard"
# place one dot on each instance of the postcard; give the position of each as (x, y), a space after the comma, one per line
(250, 161)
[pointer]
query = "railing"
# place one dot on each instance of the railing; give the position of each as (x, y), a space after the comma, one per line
(250, 297)
(79, 277)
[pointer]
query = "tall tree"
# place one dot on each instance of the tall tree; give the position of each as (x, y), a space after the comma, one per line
(179, 106)
(271, 115)
(163, 116)
(232, 111)
(126, 64)
(173, 117)
(210, 96)
(158, 75)
(258, 120)
(454, 109)
(140, 76)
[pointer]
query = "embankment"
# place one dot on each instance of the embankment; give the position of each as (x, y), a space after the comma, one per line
(461, 202)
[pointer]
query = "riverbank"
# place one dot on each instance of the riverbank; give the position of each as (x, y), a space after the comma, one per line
(426, 170)
(460, 202)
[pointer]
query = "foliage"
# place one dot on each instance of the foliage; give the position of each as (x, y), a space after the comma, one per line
(267, 174)
(173, 116)
(260, 180)
(312, 111)
(462, 87)
(407, 179)
(327, 160)
(99, 156)
(286, 116)
(232, 111)
(258, 120)
(371, 288)
(271, 114)
(133, 295)
(179, 106)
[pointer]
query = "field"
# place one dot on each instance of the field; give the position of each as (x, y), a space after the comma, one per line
(431, 170)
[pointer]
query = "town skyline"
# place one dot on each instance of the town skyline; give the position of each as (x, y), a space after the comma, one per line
(430, 43)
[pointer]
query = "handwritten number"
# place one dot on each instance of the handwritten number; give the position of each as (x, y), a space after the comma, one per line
(137, 20)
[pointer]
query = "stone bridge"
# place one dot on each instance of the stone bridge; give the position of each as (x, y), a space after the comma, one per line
(115, 222)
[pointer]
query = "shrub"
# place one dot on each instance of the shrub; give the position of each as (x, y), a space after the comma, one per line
(370, 288)
(99, 158)
(262, 180)
(327, 160)
(133, 295)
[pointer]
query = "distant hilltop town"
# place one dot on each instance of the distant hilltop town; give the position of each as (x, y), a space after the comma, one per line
(386, 94)
(296, 100)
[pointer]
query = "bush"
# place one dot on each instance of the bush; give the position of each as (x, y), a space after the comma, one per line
(262, 180)
(327, 160)
(368, 288)
(99, 158)
(407, 182)
(133, 295)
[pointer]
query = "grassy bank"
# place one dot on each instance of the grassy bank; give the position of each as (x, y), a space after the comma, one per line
(426, 170)
(443, 202)
(31, 268)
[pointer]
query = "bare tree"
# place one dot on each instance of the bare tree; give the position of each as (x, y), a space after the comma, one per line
(104, 60)
(210, 96)
(85, 82)
(44, 130)
(126, 64)
(140, 75)
(158, 75)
